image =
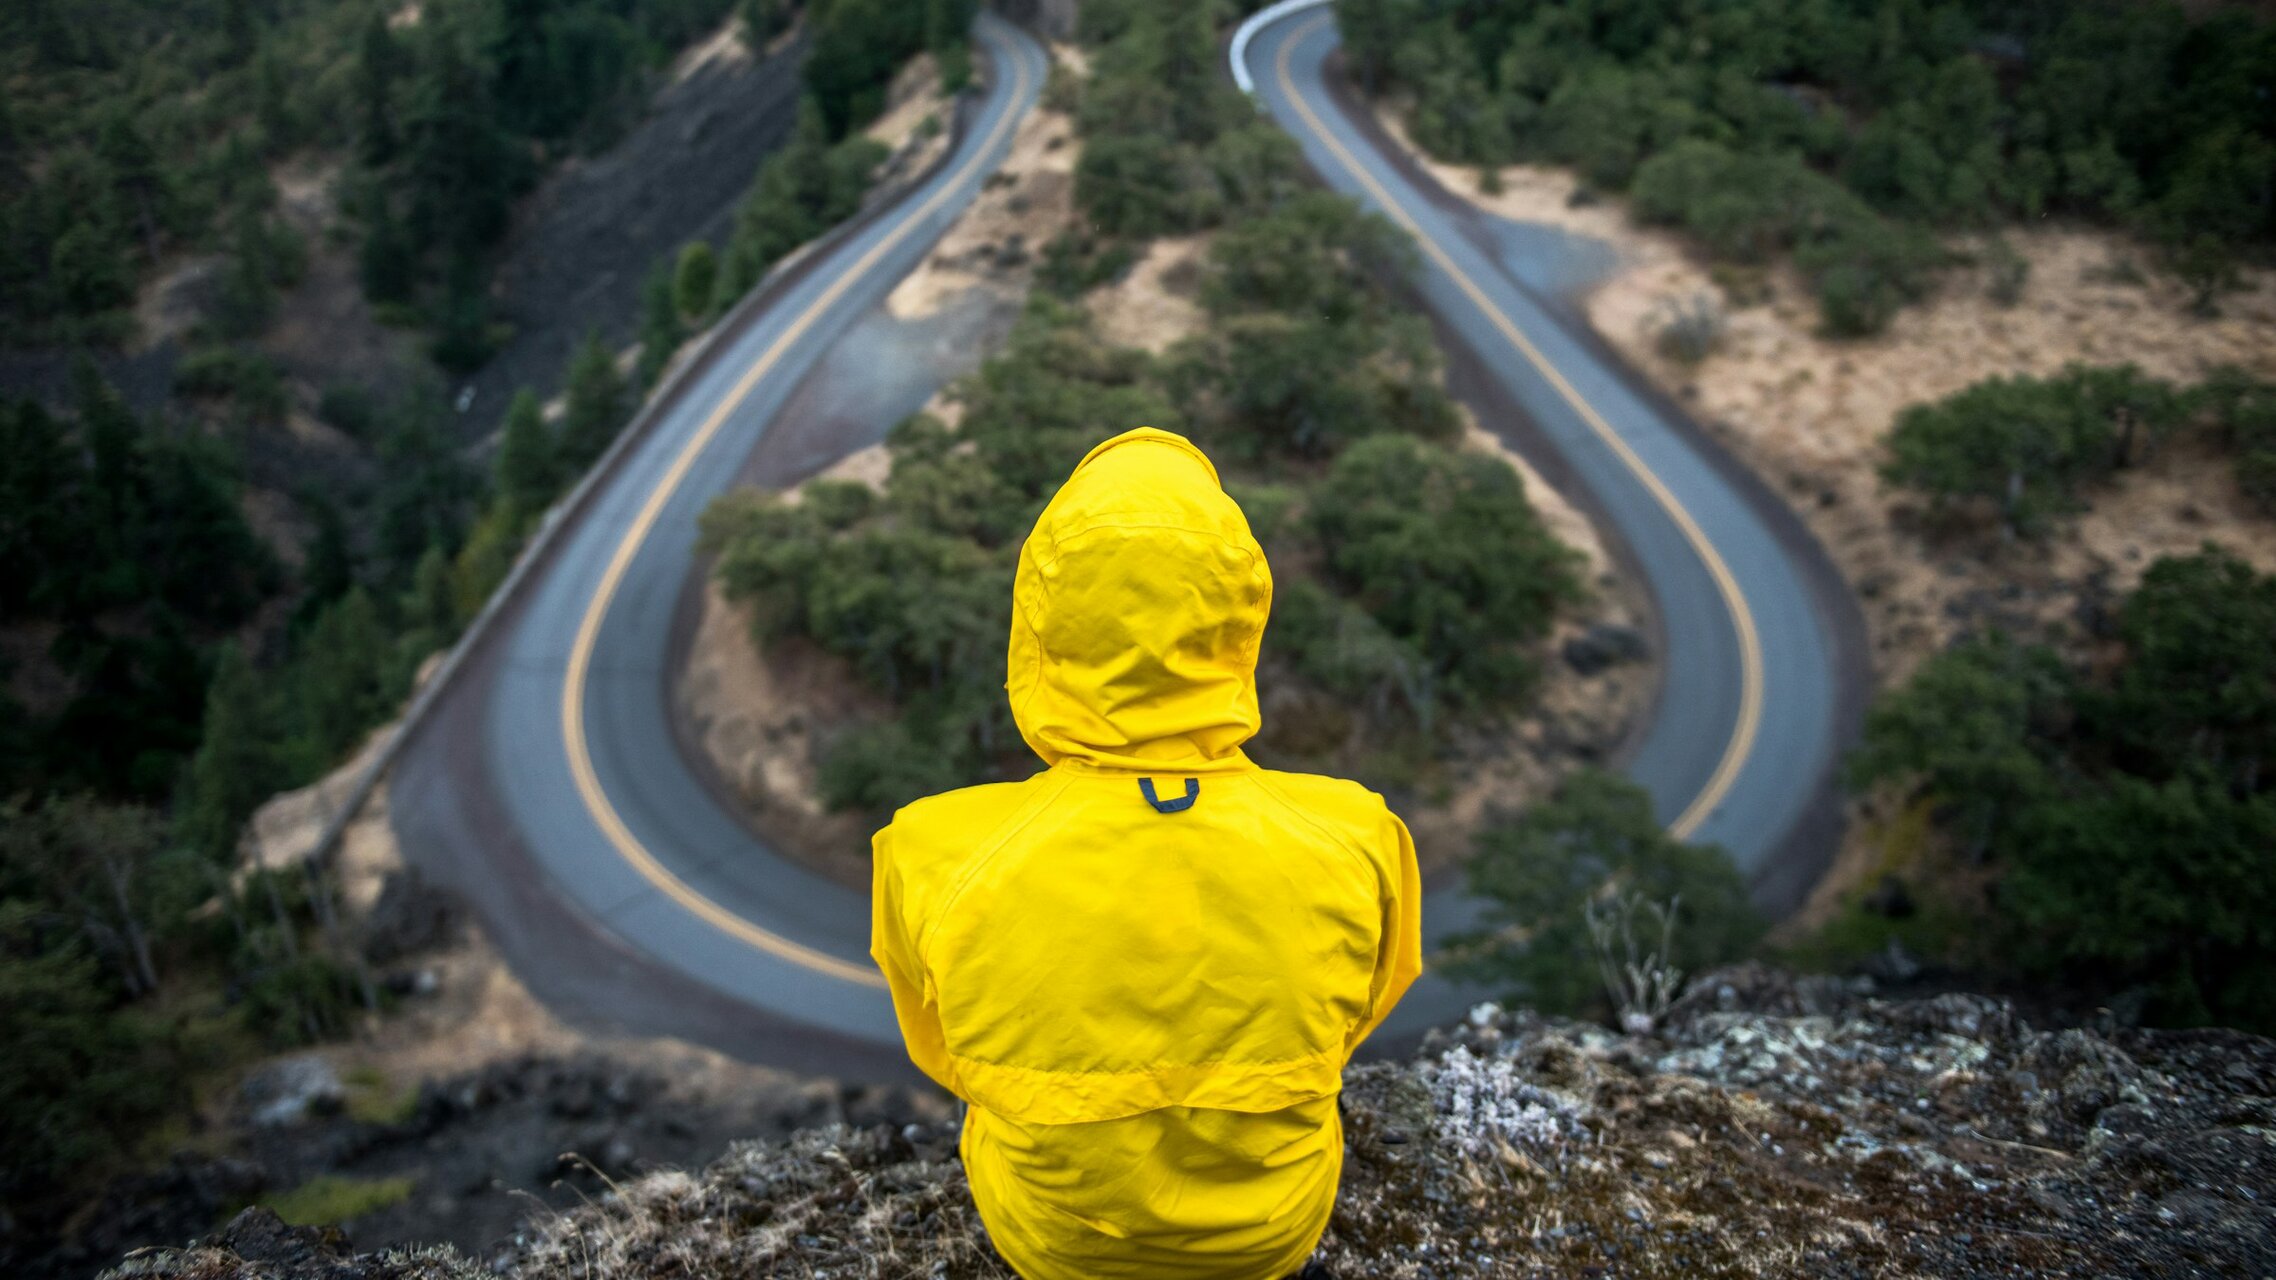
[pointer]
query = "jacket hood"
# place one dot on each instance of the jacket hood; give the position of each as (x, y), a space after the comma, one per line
(1137, 611)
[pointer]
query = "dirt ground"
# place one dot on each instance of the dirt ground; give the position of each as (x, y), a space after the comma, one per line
(1154, 305)
(1809, 413)
(993, 246)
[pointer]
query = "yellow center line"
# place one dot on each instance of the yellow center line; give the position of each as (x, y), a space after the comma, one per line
(596, 800)
(1743, 733)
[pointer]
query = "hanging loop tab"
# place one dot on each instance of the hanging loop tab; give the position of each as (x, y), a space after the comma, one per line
(1192, 793)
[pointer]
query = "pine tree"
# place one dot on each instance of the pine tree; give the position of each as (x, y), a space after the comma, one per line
(596, 405)
(462, 332)
(239, 31)
(338, 694)
(248, 293)
(526, 470)
(697, 279)
(114, 509)
(523, 58)
(425, 489)
(134, 168)
(272, 102)
(428, 606)
(330, 569)
(661, 331)
(377, 62)
(461, 168)
(39, 502)
(389, 263)
(235, 767)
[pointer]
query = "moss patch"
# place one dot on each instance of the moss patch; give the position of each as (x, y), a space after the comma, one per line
(329, 1198)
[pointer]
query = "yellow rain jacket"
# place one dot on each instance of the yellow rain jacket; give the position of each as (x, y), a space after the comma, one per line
(1146, 966)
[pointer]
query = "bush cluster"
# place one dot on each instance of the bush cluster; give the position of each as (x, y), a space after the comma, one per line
(2028, 446)
(1168, 146)
(2127, 813)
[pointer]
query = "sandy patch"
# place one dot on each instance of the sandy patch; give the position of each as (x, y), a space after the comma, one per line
(995, 243)
(724, 48)
(914, 95)
(868, 466)
(914, 128)
(764, 718)
(1810, 415)
(1154, 304)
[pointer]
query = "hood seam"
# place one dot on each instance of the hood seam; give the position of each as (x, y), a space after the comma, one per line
(1058, 539)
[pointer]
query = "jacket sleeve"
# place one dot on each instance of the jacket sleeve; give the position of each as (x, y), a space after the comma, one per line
(1398, 954)
(890, 944)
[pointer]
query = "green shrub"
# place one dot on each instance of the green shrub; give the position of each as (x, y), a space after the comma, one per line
(1539, 871)
(1443, 550)
(1750, 208)
(2135, 115)
(2029, 444)
(245, 376)
(331, 1198)
(77, 1082)
(695, 283)
(2243, 413)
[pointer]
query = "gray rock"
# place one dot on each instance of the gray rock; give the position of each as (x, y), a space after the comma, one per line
(1603, 646)
(291, 1090)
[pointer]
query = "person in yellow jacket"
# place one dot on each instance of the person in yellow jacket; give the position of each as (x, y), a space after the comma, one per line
(1145, 967)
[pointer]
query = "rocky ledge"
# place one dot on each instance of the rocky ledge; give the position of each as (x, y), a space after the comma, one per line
(1769, 1125)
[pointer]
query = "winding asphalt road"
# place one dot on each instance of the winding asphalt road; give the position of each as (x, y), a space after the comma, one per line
(547, 788)
(1759, 637)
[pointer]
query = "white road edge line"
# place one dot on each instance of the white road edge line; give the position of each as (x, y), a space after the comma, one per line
(1256, 22)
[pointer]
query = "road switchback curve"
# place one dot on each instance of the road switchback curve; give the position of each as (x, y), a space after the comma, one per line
(546, 786)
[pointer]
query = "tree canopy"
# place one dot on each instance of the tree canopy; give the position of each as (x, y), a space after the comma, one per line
(1878, 120)
(2028, 447)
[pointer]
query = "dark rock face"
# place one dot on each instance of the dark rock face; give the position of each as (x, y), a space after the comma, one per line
(1603, 646)
(1770, 1125)
(410, 918)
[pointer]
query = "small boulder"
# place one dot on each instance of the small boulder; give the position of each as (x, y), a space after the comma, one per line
(1604, 645)
(290, 1090)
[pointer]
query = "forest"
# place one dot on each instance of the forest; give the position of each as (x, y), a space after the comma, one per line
(1848, 135)
(169, 666)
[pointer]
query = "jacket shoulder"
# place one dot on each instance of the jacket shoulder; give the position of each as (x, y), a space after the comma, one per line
(956, 811)
(930, 840)
(1341, 806)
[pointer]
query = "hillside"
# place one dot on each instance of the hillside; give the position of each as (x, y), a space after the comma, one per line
(1772, 1125)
